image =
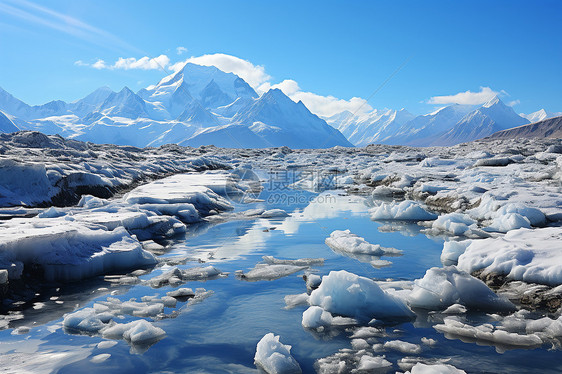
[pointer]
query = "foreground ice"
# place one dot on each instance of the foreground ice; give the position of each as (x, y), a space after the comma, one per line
(345, 241)
(523, 254)
(275, 357)
(347, 294)
(421, 368)
(67, 250)
(270, 272)
(403, 211)
(442, 288)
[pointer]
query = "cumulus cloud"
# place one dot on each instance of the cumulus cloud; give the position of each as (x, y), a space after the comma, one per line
(514, 102)
(467, 97)
(181, 50)
(324, 106)
(143, 63)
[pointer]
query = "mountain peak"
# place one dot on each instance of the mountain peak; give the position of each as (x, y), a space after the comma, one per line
(493, 101)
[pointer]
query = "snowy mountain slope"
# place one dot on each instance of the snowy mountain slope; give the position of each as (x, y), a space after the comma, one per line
(548, 128)
(212, 87)
(491, 117)
(421, 130)
(127, 104)
(540, 115)
(281, 121)
(373, 127)
(91, 102)
(6, 124)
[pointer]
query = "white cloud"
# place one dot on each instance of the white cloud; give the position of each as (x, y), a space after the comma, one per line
(467, 97)
(181, 50)
(514, 102)
(143, 63)
(99, 64)
(324, 106)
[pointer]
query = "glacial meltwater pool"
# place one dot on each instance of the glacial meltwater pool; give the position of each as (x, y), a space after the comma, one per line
(219, 333)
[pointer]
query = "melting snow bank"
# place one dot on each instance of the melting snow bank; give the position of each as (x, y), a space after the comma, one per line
(66, 250)
(57, 171)
(523, 254)
(99, 236)
(441, 288)
(275, 357)
(403, 211)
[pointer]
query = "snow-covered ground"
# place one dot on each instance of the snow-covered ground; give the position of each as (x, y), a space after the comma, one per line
(73, 210)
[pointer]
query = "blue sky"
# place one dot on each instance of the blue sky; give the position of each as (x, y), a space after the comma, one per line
(317, 49)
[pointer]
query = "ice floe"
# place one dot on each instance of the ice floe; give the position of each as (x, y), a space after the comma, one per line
(275, 357)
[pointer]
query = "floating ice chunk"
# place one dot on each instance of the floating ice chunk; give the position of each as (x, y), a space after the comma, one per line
(402, 346)
(100, 358)
(299, 262)
(407, 210)
(136, 332)
(532, 256)
(443, 287)
(367, 332)
(373, 363)
(273, 213)
(292, 301)
(457, 224)
(200, 273)
(177, 276)
(350, 295)
(315, 317)
(106, 344)
(86, 320)
(421, 368)
(428, 341)
(312, 281)
(380, 263)
(452, 250)
(345, 241)
(487, 333)
(181, 293)
(270, 272)
(275, 357)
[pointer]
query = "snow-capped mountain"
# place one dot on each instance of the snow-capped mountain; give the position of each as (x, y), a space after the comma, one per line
(280, 121)
(491, 117)
(6, 124)
(421, 130)
(374, 127)
(540, 115)
(197, 105)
